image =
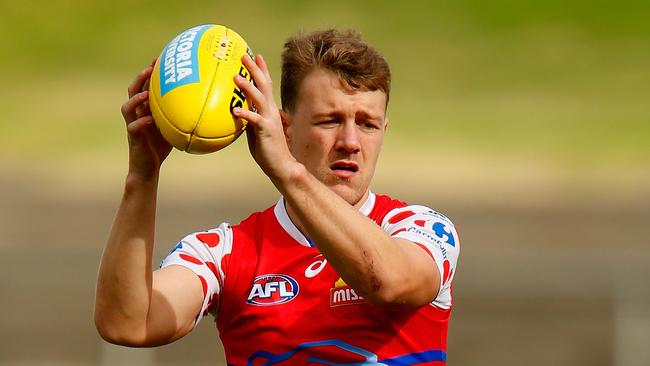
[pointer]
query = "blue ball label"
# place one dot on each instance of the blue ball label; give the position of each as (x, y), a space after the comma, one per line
(180, 60)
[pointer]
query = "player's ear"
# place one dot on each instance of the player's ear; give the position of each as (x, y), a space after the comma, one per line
(286, 123)
(386, 124)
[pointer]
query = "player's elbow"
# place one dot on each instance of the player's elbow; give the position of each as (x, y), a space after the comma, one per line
(402, 291)
(118, 338)
(111, 331)
(391, 298)
(113, 335)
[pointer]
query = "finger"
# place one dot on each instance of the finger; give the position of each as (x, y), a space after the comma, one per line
(261, 62)
(139, 81)
(251, 139)
(262, 81)
(129, 107)
(253, 94)
(139, 124)
(143, 109)
(145, 86)
(250, 116)
(148, 80)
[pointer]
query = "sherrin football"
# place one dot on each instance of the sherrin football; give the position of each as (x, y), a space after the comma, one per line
(192, 92)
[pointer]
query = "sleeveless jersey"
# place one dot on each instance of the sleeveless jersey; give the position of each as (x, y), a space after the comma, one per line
(278, 302)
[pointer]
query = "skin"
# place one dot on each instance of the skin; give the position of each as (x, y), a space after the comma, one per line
(337, 128)
(320, 156)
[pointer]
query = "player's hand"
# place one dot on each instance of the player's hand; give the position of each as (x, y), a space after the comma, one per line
(147, 148)
(266, 139)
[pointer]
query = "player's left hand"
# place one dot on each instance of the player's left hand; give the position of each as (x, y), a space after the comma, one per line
(266, 139)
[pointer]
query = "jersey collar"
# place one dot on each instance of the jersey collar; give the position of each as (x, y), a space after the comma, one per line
(283, 218)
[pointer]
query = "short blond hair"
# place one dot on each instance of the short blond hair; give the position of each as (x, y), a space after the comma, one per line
(345, 53)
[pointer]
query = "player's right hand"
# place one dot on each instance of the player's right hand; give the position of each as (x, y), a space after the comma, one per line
(147, 147)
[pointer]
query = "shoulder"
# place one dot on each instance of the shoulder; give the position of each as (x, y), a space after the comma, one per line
(387, 208)
(255, 221)
(422, 221)
(382, 206)
(396, 216)
(433, 232)
(412, 212)
(217, 242)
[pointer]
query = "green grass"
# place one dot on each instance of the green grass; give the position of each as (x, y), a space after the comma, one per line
(563, 81)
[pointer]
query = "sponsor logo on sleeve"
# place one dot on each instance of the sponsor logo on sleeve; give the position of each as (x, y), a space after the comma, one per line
(272, 289)
(442, 233)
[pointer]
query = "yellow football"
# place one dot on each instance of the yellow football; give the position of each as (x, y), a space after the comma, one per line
(192, 92)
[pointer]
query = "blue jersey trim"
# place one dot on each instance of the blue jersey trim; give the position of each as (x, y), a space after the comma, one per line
(415, 358)
(370, 358)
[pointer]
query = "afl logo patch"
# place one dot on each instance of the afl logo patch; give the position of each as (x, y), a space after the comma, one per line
(272, 289)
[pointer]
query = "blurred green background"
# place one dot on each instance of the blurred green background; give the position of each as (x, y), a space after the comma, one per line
(559, 84)
(527, 121)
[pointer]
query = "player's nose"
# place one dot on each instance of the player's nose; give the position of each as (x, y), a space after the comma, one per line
(347, 138)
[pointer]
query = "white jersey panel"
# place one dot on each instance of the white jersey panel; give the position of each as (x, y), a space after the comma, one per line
(436, 234)
(205, 253)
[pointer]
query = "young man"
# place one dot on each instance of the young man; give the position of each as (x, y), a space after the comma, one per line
(331, 274)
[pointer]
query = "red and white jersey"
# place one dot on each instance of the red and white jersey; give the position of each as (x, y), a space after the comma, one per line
(277, 300)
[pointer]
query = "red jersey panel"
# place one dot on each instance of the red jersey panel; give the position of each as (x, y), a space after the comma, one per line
(278, 302)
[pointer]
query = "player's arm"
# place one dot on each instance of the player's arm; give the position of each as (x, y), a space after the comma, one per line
(386, 270)
(383, 269)
(133, 305)
(413, 265)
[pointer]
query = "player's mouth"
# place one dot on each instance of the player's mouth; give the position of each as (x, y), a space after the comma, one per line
(344, 169)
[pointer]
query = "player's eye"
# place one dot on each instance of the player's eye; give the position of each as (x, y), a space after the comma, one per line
(368, 125)
(329, 122)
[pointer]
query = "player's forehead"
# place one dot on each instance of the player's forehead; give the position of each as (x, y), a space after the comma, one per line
(322, 92)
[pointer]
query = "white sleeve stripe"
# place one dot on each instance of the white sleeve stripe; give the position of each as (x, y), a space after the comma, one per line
(204, 256)
(433, 231)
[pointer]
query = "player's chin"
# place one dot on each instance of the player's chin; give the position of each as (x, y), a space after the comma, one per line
(350, 194)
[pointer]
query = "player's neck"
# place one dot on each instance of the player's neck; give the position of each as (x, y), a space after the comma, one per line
(295, 219)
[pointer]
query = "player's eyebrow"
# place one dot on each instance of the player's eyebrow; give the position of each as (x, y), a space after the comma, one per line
(326, 114)
(359, 114)
(365, 115)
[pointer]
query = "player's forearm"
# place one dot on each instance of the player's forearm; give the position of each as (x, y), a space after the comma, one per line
(363, 254)
(125, 275)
